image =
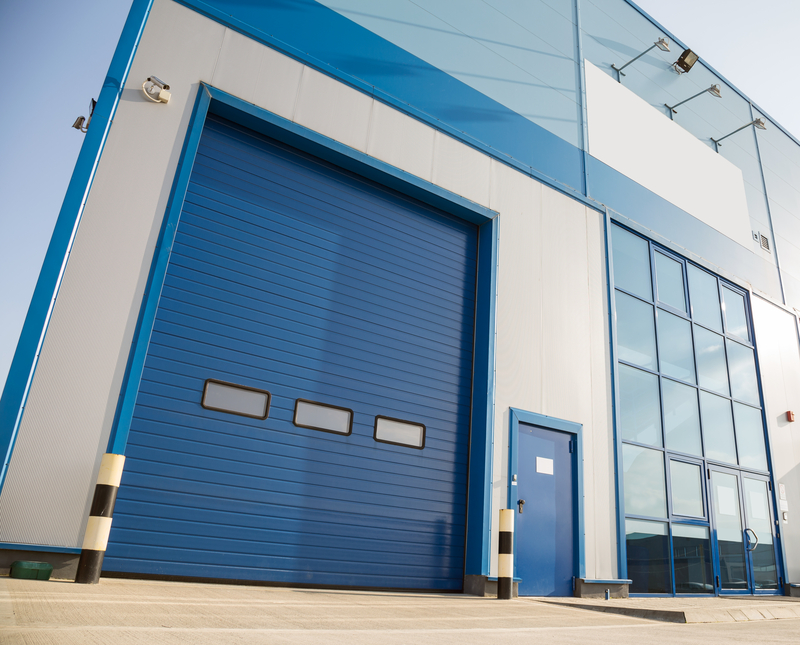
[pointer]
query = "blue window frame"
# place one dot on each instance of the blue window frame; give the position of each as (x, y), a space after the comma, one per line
(688, 399)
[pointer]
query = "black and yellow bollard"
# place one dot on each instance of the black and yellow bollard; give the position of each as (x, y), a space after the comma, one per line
(98, 528)
(505, 556)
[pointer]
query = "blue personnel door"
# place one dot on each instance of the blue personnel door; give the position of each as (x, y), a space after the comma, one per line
(545, 535)
(303, 413)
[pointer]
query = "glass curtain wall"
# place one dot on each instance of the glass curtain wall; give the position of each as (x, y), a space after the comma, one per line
(688, 398)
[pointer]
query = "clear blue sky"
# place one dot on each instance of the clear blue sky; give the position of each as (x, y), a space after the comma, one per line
(55, 54)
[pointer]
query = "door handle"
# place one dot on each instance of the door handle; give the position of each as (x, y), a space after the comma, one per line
(755, 537)
(521, 503)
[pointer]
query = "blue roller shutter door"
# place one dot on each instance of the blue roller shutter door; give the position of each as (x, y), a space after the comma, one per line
(294, 277)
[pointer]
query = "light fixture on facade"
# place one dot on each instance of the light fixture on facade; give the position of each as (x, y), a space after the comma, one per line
(661, 43)
(758, 123)
(156, 90)
(685, 61)
(713, 90)
(82, 123)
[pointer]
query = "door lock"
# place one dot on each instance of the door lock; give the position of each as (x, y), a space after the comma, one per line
(521, 503)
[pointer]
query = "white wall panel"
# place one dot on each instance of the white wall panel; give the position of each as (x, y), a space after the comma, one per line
(552, 340)
(267, 79)
(461, 169)
(70, 408)
(333, 109)
(401, 141)
(628, 134)
(779, 362)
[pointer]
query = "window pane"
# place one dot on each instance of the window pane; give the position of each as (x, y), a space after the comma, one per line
(744, 384)
(631, 263)
(735, 317)
(648, 556)
(681, 418)
(750, 437)
(718, 437)
(636, 336)
(675, 346)
(687, 492)
(644, 481)
(640, 411)
(669, 282)
(319, 416)
(399, 432)
(691, 550)
(712, 372)
(235, 399)
(704, 298)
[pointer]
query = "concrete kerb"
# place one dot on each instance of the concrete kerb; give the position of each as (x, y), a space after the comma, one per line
(692, 610)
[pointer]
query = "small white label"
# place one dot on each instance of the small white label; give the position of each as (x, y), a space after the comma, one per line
(784, 505)
(782, 489)
(544, 465)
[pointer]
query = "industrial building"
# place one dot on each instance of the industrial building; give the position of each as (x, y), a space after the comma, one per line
(341, 280)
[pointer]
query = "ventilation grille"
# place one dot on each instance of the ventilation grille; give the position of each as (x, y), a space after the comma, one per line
(764, 242)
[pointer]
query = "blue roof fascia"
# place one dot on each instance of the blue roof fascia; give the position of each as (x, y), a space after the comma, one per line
(713, 71)
(34, 328)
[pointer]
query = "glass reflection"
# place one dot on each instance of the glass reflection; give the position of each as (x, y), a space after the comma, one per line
(712, 372)
(645, 490)
(636, 335)
(675, 346)
(669, 282)
(735, 316)
(681, 418)
(639, 407)
(687, 492)
(742, 364)
(691, 550)
(756, 499)
(631, 262)
(648, 556)
(732, 569)
(704, 298)
(718, 437)
(750, 437)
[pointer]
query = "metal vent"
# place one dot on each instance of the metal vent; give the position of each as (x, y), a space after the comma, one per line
(764, 242)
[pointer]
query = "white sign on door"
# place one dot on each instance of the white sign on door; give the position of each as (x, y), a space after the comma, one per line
(544, 465)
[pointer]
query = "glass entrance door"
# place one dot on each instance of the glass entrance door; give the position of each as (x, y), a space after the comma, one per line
(759, 531)
(743, 527)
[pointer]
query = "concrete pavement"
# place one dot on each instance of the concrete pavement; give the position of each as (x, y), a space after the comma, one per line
(135, 611)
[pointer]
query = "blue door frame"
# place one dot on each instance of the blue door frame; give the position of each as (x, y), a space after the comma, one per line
(210, 100)
(516, 417)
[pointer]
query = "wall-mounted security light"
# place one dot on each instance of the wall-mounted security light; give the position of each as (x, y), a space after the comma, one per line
(685, 61)
(156, 90)
(82, 123)
(758, 123)
(713, 90)
(661, 43)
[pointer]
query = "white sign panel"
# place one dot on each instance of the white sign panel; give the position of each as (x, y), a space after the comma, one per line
(544, 465)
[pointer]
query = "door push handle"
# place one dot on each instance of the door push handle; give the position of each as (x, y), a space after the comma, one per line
(755, 537)
(521, 503)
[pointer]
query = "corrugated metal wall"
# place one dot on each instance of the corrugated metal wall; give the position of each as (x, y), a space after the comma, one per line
(294, 277)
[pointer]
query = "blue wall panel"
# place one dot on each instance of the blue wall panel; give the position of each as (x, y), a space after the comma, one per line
(290, 275)
(321, 36)
(521, 54)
